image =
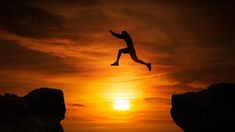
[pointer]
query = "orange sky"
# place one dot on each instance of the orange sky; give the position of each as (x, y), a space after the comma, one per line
(66, 44)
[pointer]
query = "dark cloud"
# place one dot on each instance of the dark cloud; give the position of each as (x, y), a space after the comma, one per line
(76, 105)
(173, 1)
(90, 21)
(92, 16)
(217, 72)
(16, 57)
(157, 100)
(23, 19)
(66, 2)
(168, 89)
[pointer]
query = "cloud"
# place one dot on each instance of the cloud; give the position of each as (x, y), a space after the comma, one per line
(70, 2)
(23, 19)
(14, 56)
(76, 105)
(216, 72)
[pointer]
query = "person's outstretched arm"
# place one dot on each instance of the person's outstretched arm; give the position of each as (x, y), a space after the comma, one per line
(116, 34)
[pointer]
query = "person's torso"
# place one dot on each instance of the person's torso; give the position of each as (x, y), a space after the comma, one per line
(129, 41)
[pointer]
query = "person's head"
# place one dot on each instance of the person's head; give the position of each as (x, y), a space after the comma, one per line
(124, 32)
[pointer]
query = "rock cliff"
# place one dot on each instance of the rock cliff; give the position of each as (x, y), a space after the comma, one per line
(41, 110)
(211, 109)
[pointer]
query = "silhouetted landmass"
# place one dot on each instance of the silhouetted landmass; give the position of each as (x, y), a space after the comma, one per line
(209, 110)
(39, 111)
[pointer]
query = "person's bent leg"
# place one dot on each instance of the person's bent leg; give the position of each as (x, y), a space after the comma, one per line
(147, 64)
(135, 58)
(140, 61)
(120, 51)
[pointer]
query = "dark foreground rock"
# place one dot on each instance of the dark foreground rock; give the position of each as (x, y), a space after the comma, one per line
(209, 110)
(39, 111)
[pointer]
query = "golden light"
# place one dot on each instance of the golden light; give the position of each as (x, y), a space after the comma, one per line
(121, 104)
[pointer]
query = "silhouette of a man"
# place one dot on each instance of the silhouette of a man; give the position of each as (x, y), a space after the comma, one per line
(130, 49)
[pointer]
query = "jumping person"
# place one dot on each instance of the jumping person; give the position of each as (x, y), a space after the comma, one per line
(130, 49)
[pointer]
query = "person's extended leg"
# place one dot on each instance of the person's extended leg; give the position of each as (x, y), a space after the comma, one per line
(120, 51)
(135, 58)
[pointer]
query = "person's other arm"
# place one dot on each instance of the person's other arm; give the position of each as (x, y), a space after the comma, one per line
(116, 34)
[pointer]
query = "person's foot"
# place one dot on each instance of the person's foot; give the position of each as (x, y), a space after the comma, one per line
(149, 66)
(115, 64)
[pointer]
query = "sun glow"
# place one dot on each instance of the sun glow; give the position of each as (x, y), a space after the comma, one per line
(121, 104)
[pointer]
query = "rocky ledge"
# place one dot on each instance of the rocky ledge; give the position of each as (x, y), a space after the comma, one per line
(209, 110)
(39, 111)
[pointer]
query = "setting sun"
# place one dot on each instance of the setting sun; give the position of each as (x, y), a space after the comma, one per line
(121, 105)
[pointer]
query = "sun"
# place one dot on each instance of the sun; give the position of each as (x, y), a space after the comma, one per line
(121, 104)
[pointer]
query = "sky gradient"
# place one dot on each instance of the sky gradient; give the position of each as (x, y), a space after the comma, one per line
(66, 44)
